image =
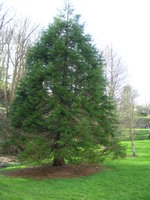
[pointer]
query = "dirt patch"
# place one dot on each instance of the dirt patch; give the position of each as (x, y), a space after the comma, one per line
(68, 171)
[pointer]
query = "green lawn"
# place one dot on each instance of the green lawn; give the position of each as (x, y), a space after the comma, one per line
(127, 179)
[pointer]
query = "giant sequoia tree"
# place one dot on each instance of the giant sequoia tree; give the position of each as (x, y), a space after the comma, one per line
(61, 103)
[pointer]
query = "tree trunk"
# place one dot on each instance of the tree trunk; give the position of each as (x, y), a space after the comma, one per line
(58, 162)
(6, 83)
(13, 82)
(132, 143)
(131, 132)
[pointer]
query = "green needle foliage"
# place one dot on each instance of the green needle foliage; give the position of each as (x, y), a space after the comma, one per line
(61, 103)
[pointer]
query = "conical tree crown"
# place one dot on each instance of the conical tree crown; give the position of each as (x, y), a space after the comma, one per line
(62, 97)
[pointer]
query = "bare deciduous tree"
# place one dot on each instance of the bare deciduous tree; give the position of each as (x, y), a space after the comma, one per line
(9, 37)
(115, 71)
(127, 112)
(16, 36)
(6, 33)
(5, 18)
(22, 41)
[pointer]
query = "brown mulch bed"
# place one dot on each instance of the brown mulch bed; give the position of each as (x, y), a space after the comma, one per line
(68, 171)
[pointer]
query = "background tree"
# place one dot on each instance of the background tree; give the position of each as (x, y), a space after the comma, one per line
(115, 72)
(127, 112)
(23, 39)
(5, 38)
(61, 102)
(16, 36)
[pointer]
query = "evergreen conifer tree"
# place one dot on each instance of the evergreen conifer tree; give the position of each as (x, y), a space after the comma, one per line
(61, 103)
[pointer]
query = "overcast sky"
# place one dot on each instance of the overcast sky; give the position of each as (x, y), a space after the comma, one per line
(123, 23)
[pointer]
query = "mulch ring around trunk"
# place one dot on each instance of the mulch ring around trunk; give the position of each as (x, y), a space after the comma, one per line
(67, 171)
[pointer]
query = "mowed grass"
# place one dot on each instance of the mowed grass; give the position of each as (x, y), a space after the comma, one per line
(127, 179)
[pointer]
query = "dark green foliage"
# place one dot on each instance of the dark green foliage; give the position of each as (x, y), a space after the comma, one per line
(62, 98)
(11, 139)
(1, 97)
(37, 150)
